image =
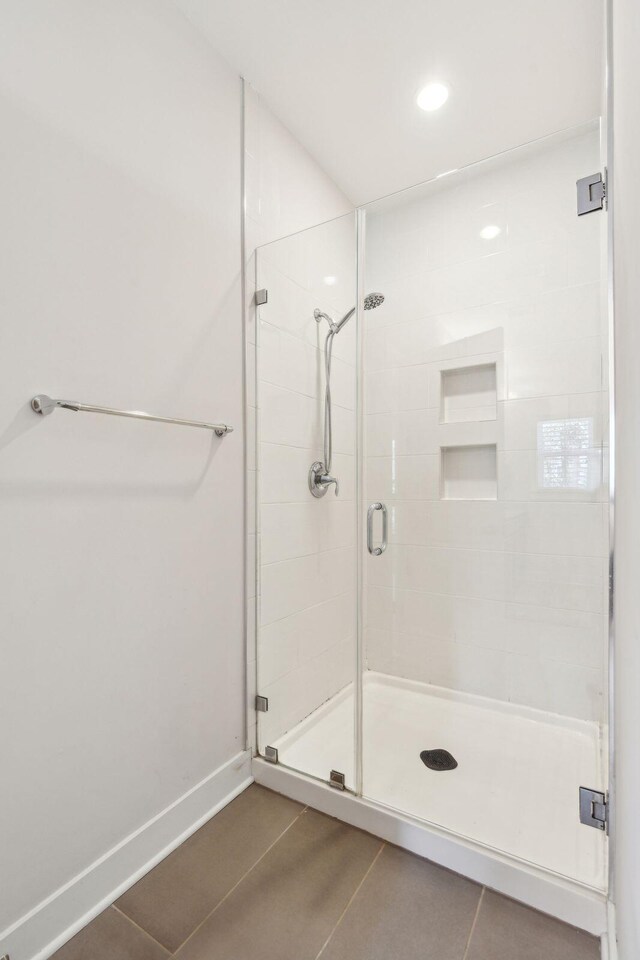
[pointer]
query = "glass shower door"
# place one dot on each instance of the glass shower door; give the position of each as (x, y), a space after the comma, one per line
(306, 506)
(485, 426)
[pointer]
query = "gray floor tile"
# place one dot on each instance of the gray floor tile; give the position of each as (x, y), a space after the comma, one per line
(111, 936)
(407, 908)
(171, 900)
(290, 902)
(506, 930)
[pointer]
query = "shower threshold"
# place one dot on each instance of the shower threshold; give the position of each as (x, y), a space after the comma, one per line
(514, 790)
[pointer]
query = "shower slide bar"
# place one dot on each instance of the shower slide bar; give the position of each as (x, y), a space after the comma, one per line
(45, 405)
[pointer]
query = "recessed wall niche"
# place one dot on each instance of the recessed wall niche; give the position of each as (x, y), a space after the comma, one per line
(468, 393)
(469, 473)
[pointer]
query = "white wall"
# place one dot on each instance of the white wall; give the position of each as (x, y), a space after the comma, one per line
(285, 191)
(626, 212)
(121, 556)
(504, 597)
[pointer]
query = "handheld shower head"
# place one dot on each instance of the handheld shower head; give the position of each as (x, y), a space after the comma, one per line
(319, 476)
(371, 301)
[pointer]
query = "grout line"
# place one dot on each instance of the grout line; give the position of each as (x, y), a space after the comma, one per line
(461, 596)
(436, 545)
(312, 606)
(351, 899)
(473, 925)
(305, 446)
(524, 345)
(317, 347)
(237, 884)
(319, 398)
(141, 929)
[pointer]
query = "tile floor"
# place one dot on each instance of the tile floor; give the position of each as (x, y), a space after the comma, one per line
(268, 878)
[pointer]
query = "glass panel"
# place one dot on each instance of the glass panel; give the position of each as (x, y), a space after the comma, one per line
(306, 647)
(485, 620)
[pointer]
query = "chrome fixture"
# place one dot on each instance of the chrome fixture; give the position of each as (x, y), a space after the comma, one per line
(592, 193)
(320, 478)
(594, 808)
(336, 779)
(373, 507)
(271, 754)
(45, 405)
(320, 481)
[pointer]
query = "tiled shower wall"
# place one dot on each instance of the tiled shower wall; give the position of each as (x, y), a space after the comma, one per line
(494, 582)
(306, 636)
(285, 191)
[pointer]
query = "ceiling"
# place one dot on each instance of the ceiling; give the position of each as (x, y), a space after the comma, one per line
(343, 76)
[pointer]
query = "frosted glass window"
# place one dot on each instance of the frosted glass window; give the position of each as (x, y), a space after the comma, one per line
(566, 456)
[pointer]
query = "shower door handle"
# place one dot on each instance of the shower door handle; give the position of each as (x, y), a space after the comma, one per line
(373, 507)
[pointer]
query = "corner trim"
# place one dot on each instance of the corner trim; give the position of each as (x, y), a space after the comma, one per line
(55, 920)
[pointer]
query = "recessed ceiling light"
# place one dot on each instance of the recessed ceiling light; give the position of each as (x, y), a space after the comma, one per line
(432, 96)
(490, 232)
(330, 281)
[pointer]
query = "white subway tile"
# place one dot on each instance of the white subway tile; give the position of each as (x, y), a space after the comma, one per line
(409, 477)
(398, 388)
(549, 369)
(403, 432)
(291, 585)
(564, 688)
(288, 417)
(291, 530)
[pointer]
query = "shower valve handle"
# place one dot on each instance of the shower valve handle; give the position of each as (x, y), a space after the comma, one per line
(326, 481)
(320, 480)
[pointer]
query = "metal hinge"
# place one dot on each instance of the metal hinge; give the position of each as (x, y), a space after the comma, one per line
(592, 193)
(262, 704)
(594, 808)
(336, 779)
(271, 754)
(262, 296)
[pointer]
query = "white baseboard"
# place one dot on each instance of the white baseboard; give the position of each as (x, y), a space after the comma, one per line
(54, 921)
(609, 942)
(580, 906)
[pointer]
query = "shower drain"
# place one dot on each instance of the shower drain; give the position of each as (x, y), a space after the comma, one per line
(438, 760)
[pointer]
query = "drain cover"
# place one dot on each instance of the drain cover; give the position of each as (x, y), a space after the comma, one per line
(438, 760)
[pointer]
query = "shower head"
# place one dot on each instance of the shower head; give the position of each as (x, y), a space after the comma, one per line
(371, 301)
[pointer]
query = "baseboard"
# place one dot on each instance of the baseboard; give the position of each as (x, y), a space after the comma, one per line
(54, 921)
(580, 906)
(609, 942)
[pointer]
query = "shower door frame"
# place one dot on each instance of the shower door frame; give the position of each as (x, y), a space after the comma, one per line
(606, 277)
(566, 899)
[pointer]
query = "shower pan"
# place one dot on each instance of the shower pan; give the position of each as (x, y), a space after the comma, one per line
(433, 641)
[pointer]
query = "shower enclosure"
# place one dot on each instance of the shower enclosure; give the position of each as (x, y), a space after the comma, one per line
(433, 637)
